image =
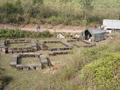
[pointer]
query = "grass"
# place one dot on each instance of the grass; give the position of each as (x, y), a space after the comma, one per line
(78, 43)
(30, 60)
(71, 72)
(55, 45)
(32, 80)
(20, 45)
(103, 73)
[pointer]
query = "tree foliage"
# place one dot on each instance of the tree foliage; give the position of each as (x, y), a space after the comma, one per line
(12, 13)
(87, 8)
(74, 12)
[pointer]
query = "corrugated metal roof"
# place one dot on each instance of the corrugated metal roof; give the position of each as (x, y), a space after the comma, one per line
(112, 24)
(95, 31)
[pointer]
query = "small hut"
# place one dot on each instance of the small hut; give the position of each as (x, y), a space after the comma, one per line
(92, 34)
(111, 25)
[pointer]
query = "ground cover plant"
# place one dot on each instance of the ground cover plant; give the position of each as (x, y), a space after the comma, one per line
(93, 68)
(30, 60)
(55, 45)
(21, 45)
(7, 33)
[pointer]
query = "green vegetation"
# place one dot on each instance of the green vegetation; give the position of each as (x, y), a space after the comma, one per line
(103, 73)
(74, 12)
(20, 45)
(96, 68)
(55, 45)
(30, 60)
(4, 78)
(100, 68)
(7, 33)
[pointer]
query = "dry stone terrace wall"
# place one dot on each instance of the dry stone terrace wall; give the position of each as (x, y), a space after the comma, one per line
(54, 53)
(23, 50)
(2, 46)
(32, 47)
(44, 61)
(35, 46)
(58, 50)
(44, 43)
(52, 41)
(15, 41)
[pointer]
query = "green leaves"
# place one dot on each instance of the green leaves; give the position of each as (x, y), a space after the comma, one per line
(6, 33)
(12, 12)
(37, 1)
(103, 72)
(87, 8)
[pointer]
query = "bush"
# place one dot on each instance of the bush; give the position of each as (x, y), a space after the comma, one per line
(13, 13)
(58, 11)
(7, 33)
(102, 74)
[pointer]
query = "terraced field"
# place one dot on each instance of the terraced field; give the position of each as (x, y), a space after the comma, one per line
(69, 71)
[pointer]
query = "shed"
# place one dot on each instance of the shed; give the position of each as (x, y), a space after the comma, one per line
(111, 25)
(92, 34)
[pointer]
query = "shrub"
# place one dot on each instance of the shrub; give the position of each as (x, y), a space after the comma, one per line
(12, 12)
(7, 33)
(102, 74)
(66, 12)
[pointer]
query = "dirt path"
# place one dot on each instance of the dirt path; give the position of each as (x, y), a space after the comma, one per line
(58, 28)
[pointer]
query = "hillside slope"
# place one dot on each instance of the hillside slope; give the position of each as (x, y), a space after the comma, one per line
(58, 11)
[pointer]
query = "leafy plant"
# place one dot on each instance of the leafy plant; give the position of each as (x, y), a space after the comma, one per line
(6, 33)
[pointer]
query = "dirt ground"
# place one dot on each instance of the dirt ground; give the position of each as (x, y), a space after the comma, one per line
(48, 27)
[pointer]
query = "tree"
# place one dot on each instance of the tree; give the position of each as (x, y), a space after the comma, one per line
(118, 10)
(18, 6)
(87, 7)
